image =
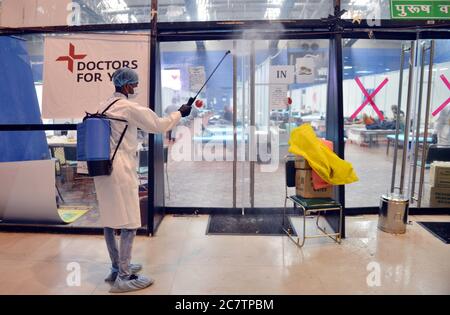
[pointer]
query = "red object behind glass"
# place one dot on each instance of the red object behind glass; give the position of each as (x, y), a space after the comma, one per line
(199, 103)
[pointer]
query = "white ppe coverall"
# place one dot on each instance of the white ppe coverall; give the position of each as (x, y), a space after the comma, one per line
(117, 194)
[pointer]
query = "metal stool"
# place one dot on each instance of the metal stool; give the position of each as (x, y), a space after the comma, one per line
(310, 206)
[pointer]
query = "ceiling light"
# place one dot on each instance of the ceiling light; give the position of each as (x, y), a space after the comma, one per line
(174, 11)
(360, 2)
(202, 10)
(272, 13)
(275, 2)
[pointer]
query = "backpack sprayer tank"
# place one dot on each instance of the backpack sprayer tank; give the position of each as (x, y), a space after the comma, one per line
(93, 144)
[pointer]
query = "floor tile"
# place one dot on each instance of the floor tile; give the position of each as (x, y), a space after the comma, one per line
(183, 260)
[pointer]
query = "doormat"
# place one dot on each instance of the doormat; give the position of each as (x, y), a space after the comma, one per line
(439, 229)
(262, 224)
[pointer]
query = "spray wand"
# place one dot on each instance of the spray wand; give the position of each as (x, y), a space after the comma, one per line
(192, 99)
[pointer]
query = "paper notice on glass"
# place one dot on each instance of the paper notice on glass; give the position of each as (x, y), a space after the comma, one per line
(171, 78)
(305, 70)
(278, 96)
(28, 195)
(281, 74)
(197, 78)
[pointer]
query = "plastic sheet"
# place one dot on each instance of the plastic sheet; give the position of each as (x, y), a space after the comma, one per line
(27, 192)
(325, 162)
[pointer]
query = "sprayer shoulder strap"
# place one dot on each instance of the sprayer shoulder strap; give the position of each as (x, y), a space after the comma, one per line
(120, 141)
(123, 132)
(109, 106)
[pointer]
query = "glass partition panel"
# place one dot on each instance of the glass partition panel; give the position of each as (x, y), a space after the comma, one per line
(279, 108)
(198, 166)
(69, 87)
(431, 154)
(22, 88)
(45, 162)
(201, 150)
(371, 93)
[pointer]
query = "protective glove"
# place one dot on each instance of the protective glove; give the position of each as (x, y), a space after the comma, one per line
(190, 101)
(185, 110)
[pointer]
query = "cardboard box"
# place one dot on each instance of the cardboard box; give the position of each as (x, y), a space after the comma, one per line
(440, 174)
(439, 197)
(301, 163)
(304, 186)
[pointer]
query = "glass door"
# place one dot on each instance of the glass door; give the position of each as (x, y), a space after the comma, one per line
(232, 148)
(281, 84)
(377, 86)
(388, 82)
(430, 130)
(198, 165)
(230, 152)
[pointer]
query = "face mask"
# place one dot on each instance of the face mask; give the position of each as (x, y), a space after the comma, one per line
(135, 93)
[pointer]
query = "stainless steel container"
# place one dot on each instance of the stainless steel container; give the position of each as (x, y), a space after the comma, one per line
(393, 213)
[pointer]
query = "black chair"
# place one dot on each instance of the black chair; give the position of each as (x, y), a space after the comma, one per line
(310, 207)
(70, 153)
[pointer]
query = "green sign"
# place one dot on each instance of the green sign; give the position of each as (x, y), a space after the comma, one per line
(420, 9)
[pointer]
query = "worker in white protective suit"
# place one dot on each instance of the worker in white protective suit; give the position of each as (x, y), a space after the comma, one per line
(117, 194)
(442, 127)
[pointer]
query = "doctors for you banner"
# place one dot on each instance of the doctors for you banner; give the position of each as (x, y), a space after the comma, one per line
(78, 71)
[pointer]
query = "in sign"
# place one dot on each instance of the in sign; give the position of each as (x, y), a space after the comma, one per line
(281, 74)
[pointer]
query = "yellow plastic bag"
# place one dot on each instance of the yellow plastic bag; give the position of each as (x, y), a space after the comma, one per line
(303, 141)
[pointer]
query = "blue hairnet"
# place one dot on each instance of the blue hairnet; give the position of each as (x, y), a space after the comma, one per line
(124, 76)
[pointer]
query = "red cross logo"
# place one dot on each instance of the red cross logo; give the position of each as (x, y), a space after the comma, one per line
(444, 79)
(71, 57)
(369, 98)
